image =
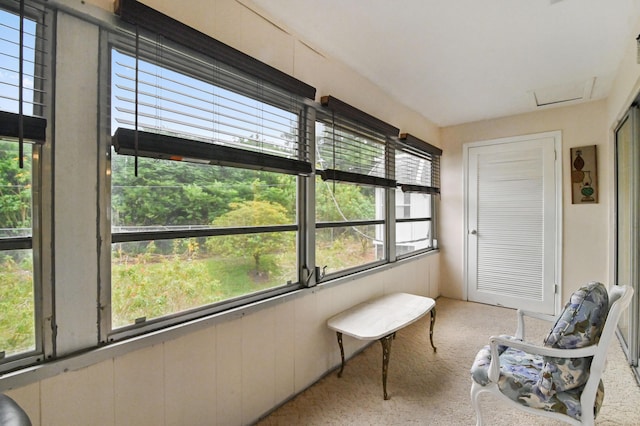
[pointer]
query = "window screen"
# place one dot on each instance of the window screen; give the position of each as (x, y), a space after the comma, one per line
(354, 167)
(205, 169)
(418, 174)
(22, 110)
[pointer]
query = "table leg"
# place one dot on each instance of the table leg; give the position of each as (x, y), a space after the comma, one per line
(431, 324)
(386, 352)
(341, 352)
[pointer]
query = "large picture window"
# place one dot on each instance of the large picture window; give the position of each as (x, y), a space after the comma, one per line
(221, 182)
(210, 161)
(204, 185)
(186, 235)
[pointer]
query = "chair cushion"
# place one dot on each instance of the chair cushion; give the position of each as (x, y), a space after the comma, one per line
(480, 367)
(519, 375)
(580, 324)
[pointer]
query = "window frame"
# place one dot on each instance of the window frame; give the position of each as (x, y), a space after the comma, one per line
(309, 273)
(425, 183)
(35, 133)
(122, 42)
(432, 238)
(33, 243)
(349, 120)
(43, 229)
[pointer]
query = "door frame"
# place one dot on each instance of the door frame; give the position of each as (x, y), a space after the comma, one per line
(631, 343)
(557, 138)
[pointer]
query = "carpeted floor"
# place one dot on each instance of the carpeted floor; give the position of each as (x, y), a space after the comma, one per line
(428, 388)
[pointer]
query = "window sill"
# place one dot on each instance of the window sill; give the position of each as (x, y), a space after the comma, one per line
(76, 361)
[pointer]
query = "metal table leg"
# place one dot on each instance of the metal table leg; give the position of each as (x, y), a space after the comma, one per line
(431, 324)
(341, 352)
(386, 352)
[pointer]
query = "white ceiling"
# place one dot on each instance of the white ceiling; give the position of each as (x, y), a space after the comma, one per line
(457, 61)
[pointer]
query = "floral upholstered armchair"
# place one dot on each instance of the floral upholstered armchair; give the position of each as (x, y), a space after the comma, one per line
(561, 378)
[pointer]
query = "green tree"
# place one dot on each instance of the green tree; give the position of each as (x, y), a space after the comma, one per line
(342, 201)
(252, 213)
(278, 189)
(17, 322)
(15, 187)
(169, 193)
(181, 193)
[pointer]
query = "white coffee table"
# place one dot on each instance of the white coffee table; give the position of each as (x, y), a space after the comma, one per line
(379, 319)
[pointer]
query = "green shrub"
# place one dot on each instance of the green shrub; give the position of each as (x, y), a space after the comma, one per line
(17, 321)
(166, 285)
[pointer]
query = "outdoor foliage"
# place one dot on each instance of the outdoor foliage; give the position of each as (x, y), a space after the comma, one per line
(17, 321)
(17, 314)
(181, 193)
(255, 246)
(151, 286)
(171, 192)
(153, 279)
(337, 202)
(342, 248)
(15, 188)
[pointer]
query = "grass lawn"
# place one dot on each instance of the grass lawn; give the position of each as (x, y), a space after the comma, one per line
(152, 286)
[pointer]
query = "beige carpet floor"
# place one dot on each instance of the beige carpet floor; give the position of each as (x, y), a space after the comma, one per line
(428, 388)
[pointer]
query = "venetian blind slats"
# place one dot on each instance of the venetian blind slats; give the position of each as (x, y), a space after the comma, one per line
(417, 165)
(353, 146)
(180, 105)
(23, 54)
(33, 49)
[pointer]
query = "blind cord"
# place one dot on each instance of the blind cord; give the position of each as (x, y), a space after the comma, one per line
(20, 90)
(135, 137)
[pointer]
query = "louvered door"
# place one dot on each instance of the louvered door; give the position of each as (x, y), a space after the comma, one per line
(511, 223)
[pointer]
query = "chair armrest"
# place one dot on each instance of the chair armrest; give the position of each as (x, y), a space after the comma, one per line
(520, 331)
(495, 341)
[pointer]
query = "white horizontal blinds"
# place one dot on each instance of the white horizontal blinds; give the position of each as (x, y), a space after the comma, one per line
(165, 26)
(32, 66)
(192, 99)
(412, 169)
(417, 165)
(22, 66)
(510, 224)
(346, 146)
(187, 96)
(352, 146)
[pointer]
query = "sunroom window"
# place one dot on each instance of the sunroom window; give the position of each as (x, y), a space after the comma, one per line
(205, 170)
(17, 284)
(354, 170)
(22, 131)
(418, 178)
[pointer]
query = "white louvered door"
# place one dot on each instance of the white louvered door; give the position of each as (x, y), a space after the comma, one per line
(511, 222)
